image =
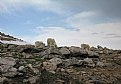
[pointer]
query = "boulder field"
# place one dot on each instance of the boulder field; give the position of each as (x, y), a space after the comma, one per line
(33, 64)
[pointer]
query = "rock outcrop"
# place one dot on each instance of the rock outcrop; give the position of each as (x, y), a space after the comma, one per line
(40, 64)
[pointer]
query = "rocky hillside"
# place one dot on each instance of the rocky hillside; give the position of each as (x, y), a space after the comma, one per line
(10, 39)
(40, 64)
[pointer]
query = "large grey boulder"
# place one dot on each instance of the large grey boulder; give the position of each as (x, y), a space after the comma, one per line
(77, 51)
(51, 51)
(56, 61)
(72, 61)
(64, 51)
(7, 61)
(7, 68)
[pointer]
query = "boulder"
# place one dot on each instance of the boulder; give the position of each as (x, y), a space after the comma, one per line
(64, 51)
(100, 64)
(2, 80)
(92, 54)
(72, 61)
(89, 62)
(99, 47)
(56, 61)
(51, 51)
(77, 51)
(7, 68)
(7, 61)
(39, 44)
(51, 43)
(11, 72)
(49, 66)
(85, 47)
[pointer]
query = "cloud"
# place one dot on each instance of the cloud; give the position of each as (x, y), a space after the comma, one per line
(81, 19)
(8, 6)
(94, 35)
(109, 9)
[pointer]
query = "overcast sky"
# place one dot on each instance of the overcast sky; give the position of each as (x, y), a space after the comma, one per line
(69, 22)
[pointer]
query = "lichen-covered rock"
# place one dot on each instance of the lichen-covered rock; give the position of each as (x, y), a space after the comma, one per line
(39, 44)
(85, 47)
(51, 43)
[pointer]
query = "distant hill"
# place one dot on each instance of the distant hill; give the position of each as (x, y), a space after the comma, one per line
(7, 39)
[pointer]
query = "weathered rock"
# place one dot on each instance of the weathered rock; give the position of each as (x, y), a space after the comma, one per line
(51, 56)
(21, 68)
(49, 51)
(23, 48)
(89, 62)
(9, 72)
(73, 61)
(2, 80)
(92, 54)
(36, 71)
(39, 44)
(85, 47)
(118, 60)
(100, 47)
(100, 64)
(77, 51)
(51, 43)
(33, 80)
(56, 61)
(49, 66)
(7, 61)
(64, 51)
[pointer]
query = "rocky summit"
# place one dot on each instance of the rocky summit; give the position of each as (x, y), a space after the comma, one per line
(41, 64)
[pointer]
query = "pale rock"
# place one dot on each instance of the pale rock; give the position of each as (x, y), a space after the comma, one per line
(49, 66)
(7, 61)
(100, 64)
(21, 68)
(89, 62)
(64, 51)
(56, 61)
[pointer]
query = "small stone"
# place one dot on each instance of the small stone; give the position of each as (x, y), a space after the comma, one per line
(21, 68)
